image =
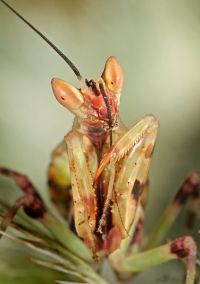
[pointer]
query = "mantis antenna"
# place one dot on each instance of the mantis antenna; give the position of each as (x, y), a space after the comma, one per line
(59, 52)
(67, 60)
(108, 111)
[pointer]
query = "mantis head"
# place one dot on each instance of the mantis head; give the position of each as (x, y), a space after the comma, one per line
(95, 102)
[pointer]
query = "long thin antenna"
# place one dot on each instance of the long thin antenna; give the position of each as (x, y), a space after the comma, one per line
(108, 110)
(64, 57)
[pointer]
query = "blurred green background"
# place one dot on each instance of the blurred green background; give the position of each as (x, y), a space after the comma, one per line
(157, 43)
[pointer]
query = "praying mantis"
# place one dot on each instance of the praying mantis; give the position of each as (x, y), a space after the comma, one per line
(104, 166)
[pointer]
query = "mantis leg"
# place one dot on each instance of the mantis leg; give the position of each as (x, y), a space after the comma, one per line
(188, 192)
(82, 170)
(31, 201)
(192, 212)
(131, 157)
(181, 248)
(138, 236)
(35, 208)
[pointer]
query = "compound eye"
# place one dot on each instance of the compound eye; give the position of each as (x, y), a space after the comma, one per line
(67, 95)
(113, 75)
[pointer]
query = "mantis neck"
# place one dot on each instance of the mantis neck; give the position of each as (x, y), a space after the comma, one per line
(97, 135)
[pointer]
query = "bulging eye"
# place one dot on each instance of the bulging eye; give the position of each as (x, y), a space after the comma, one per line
(67, 95)
(113, 75)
